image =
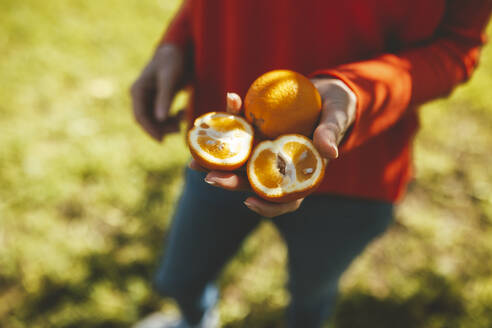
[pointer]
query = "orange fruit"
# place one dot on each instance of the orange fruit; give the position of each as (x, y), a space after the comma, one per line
(281, 102)
(285, 169)
(220, 141)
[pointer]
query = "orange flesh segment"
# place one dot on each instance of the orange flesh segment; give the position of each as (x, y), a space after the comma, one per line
(214, 147)
(265, 168)
(303, 159)
(224, 124)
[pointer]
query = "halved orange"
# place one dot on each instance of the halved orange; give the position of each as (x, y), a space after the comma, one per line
(285, 169)
(220, 141)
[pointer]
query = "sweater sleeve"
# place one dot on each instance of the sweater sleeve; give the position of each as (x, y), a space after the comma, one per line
(178, 31)
(389, 85)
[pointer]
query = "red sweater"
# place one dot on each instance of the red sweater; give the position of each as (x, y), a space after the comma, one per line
(394, 55)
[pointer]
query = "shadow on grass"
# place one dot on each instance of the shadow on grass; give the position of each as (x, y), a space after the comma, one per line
(131, 255)
(437, 303)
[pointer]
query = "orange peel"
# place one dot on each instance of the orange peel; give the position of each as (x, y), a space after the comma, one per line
(282, 102)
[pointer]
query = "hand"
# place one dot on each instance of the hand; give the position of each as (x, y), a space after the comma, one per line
(337, 115)
(153, 92)
(236, 181)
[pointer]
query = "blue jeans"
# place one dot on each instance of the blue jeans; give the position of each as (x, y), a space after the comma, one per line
(323, 237)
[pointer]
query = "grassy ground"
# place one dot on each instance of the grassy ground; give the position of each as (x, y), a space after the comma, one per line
(85, 197)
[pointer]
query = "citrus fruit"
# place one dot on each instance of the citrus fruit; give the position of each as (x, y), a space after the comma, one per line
(285, 169)
(220, 141)
(281, 102)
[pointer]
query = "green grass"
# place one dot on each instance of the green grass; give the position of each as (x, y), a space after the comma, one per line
(85, 196)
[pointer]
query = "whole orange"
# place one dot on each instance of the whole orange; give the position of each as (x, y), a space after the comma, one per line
(281, 102)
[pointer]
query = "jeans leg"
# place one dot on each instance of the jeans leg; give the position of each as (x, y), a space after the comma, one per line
(323, 237)
(208, 227)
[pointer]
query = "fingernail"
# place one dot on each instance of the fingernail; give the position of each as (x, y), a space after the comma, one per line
(332, 151)
(336, 150)
(233, 96)
(249, 205)
(233, 102)
(210, 182)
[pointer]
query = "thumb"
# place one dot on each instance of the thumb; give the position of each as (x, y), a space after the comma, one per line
(234, 102)
(162, 101)
(325, 140)
(169, 63)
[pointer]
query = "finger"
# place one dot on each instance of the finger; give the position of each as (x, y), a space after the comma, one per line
(197, 167)
(325, 140)
(163, 98)
(338, 113)
(172, 123)
(228, 180)
(139, 97)
(169, 70)
(330, 130)
(270, 210)
(234, 103)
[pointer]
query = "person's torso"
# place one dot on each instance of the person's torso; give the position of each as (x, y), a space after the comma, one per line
(235, 41)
